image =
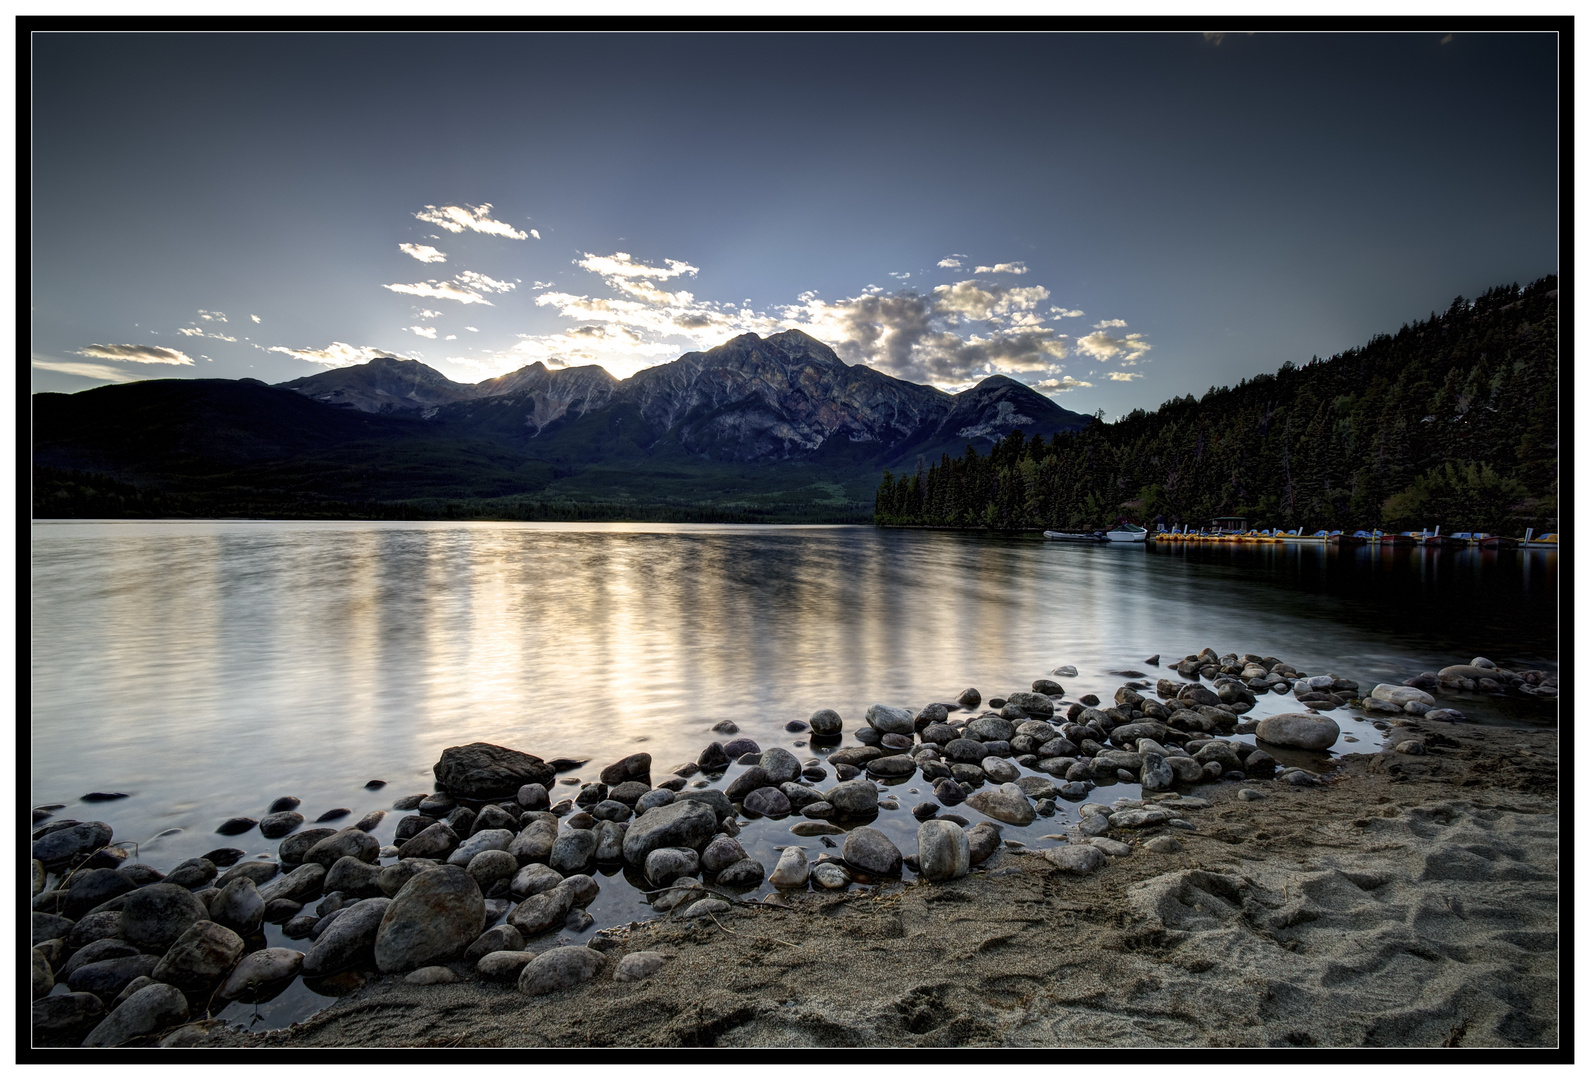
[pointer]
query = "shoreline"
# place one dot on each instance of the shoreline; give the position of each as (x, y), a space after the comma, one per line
(1338, 915)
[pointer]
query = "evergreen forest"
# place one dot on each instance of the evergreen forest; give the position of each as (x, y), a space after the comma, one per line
(1451, 421)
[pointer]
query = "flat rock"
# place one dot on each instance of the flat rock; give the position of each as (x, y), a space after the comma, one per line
(1076, 858)
(485, 771)
(1300, 731)
(635, 966)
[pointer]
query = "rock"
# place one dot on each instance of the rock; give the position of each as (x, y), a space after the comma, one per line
(713, 757)
(65, 1019)
(830, 875)
(767, 802)
(742, 874)
(684, 823)
(70, 843)
(156, 915)
(999, 770)
(737, 748)
(544, 911)
(559, 969)
(292, 850)
(943, 850)
(1162, 845)
(92, 888)
(485, 771)
(636, 966)
(355, 843)
(43, 977)
(432, 842)
(198, 959)
(663, 865)
(1007, 803)
(573, 851)
(239, 907)
(1401, 695)
(720, 853)
(990, 729)
(302, 884)
(1157, 774)
(780, 766)
(1037, 706)
(534, 879)
(280, 823)
(501, 938)
(533, 796)
(1300, 731)
(154, 1008)
(434, 917)
(107, 978)
(1250, 795)
(1047, 687)
(1452, 675)
(235, 826)
(503, 965)
(1410, 746)
(970, 698)
(792, 871)
(826, 723)
(892, 766)
(488, 840)
(722, 808)
(1110, 847)
(854, 798)
(983, 839)
(888, 720)
(869, 851)
(260, 974)
(821, 811)
(349, 941)
(92, 927)
(430, 976)
(1076, 858)
(490, 867)
(633, 767)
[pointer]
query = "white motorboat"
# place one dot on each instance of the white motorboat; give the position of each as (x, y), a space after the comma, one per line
(1127, 533)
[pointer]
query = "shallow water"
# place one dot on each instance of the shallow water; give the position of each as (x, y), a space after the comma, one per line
(207, 668)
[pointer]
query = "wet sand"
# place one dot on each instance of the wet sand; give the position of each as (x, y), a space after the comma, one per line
(1407, 901)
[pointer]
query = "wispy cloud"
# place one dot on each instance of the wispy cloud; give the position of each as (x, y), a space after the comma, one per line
(427, 313)
(1060, 385)
(901, 276)
(621, 264)
(1124, 376)
(1102, 346)
(423, 252)
(337, 354)
(424, 331)
(1002, 268)
(254, 317)
(951, 262)
(1063, 313)
(86, 371)
(440, 290)
(1108, 324)
(472, 280)
(199, 331)
(455, 219)
(137, 354)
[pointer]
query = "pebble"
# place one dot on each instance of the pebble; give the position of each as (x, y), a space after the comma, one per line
(559, 969)
(1162, 845)
(430, 976)
(636, 966)
(1250, 795)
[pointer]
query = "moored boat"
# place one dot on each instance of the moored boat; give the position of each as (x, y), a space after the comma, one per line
(1127, 533)
(1076, 537)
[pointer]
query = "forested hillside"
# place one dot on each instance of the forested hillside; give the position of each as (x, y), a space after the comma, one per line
(1450, 421)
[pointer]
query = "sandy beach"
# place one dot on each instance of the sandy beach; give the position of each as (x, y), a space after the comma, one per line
(1408, 901)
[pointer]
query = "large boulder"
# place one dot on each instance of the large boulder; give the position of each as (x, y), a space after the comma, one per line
(685, 823)
(199, 958)
(349, 941)
(154, 1008)
(432, 919)
(484, 771)
(1299, 731)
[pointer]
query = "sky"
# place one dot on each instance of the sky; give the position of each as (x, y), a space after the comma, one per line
(1115, 219)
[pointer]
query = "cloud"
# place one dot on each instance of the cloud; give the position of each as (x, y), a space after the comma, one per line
(473, 329)
(535, 233)
(423, 331)
(621, 264)
(441, 290)
(1102, 346)
(1109, 323)
(199, 331)
(427, 313)
(1062, 313)
(254, 317)
(902, 277)
(1124, 376)
(950, 263)
(423, 252)
(471, 279)
(977, 300)
(1002, 268)
(137, 354)
(86, 371)
(450, 337)
(337, 354)
(1060, 385)
(212, 316)
(455, 219)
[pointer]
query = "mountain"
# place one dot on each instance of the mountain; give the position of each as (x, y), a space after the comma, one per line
(755, 429)
(786, 397)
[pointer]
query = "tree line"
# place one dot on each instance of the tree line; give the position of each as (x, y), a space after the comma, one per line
(1451, 421)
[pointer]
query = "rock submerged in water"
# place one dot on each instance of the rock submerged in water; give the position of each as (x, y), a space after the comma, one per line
(485, 771)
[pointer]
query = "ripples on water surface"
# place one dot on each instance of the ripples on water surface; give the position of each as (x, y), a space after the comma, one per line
(209, 667)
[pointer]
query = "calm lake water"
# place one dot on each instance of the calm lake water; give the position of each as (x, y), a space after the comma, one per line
(207, 668)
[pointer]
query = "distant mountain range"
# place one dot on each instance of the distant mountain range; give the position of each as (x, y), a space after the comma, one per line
(752, 419)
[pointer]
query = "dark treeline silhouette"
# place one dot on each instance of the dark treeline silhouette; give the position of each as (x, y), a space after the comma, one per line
(1451, 421)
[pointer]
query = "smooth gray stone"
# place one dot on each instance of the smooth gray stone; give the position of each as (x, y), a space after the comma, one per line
(1007, 803)
(391, 879)
(259, 973)
(344, 843)
(720, 853)
(892, 766)
(349, 941)
(744, 874)
(503, 937)
(854, 798)
(534, 842)
(488, 840)
(792, 871)
(280, 823)
(91, 927)
(990, 729)
(943, 850)
(821, 810)
(302, 926)
(686, 823)
(503, 965)
(533, 797)
(629, 792)
(490, 867)
(888, 720)
(493, 816)
(611, 809)
(535, 878)
(767, 802)
(999, 770)
(432, 842)
(292, 850)
(1076, 858)
(302, 884)
(354, 878)
(633, 767)
(239, 907)
(1036, 706)
(826, 723)
(665, 864)
(559, 969)
(430, 976)
(854, 755)
(154, 1008)
(544, 911)
(1300, 731)
(653, 798)
(107, 978)
(780, 765)
(984, 840)
(871, 852)
(199, 959)
(257, 872)
(64, 1019)
(93, 887)
(573, 851)
(432, 919)
(830, 875)
(68, 844)
(610, 841)
(1110, 847)
(636, 966)
(156, 915)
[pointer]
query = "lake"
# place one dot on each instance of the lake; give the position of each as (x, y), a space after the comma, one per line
(207, 668)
